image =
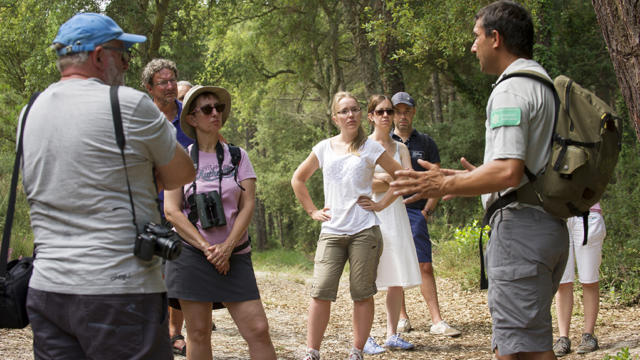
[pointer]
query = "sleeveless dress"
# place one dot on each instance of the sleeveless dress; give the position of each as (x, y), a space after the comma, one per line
(398, 263)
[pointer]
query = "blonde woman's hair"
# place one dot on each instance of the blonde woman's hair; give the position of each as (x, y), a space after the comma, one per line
(361, 137)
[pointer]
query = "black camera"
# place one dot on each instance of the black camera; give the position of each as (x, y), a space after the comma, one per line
(207, 207)
(157, 240)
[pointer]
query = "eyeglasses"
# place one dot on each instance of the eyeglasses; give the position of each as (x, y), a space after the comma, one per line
(163, 83)
(406, 113)
(124, 52)
(382, 111)
(345, 112)
(208, 109)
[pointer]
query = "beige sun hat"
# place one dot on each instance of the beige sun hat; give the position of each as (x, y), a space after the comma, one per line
(222, 95)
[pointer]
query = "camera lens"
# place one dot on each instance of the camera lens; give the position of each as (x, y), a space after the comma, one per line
(168, 247)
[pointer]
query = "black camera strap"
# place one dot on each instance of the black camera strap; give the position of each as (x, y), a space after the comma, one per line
(117, 125)
(8, 221)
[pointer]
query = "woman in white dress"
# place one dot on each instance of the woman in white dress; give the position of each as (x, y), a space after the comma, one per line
(398, 267)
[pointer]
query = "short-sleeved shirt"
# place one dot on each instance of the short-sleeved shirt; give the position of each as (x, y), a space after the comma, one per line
(520, 114)
(76, 187)
(346, 177)
(421, 146)
(183, 139)
(207, 179)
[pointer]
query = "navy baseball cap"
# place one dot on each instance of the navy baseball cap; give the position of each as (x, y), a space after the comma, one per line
(85, 31)
(402, 98)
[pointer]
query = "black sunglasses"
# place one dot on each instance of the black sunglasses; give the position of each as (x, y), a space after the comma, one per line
(382, 111)
(208, 109)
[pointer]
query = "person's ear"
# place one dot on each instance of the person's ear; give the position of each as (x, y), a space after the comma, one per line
(191, 120)
(496, 39)
(97, 57)
(148, 87)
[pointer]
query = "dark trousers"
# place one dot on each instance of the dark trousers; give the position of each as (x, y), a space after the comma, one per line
(120, 326)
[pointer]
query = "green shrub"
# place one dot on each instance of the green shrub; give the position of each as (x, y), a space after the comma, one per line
(457, 255)
(22, 237)
(623, 354)
(621, 248)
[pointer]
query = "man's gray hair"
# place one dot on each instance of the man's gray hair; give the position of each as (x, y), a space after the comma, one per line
(185, 83)
(64, 61)
(153, 67)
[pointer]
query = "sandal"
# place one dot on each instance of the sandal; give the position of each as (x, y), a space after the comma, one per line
(177, 350)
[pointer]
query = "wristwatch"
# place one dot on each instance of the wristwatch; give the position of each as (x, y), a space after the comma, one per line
(430, 212)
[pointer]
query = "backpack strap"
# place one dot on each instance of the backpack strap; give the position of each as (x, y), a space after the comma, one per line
(236, 156)
(528, 193)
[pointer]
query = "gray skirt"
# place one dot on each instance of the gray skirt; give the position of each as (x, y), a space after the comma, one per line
(192, 277)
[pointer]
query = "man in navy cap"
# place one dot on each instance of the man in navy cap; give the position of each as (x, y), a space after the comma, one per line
(89, 295)
(421, 146)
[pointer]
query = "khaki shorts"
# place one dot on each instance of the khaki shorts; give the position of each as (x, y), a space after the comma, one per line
(363, 251)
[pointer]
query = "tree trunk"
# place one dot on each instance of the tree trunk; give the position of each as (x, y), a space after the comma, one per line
(365, 53)
(620, 25)
(390, 73)
(279, 219)
(437, 97)
(156, 35)
(260, 225)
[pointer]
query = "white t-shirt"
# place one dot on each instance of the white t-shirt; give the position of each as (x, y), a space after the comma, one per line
(76, 187)
(520, 114)
(346, 177)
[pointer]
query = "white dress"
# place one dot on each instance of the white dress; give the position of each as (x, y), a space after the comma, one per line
(399, 263)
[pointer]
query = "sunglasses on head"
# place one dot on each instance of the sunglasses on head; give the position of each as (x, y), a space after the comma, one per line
(382, 111)
(208, 109)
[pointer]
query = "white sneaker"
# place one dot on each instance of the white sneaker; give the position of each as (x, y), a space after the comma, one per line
(355, 354)
(404, 326)
(312, 354)
(442, 328)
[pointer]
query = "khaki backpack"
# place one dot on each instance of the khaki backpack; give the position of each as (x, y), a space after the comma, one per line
(585, 144)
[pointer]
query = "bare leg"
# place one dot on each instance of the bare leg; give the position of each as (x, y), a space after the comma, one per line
(564, 307)
(197, 316)
(362, 321)
(429, 291)
(319, 311)
(394, 303)
(545, 355)
(176, 319)
(252, 323)
(591, 300)
(403, 308)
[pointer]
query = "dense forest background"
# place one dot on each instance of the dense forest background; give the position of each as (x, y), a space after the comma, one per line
(283, 60)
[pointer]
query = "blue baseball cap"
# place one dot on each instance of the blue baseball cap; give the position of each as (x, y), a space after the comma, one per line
(402, 98)
(85, 31)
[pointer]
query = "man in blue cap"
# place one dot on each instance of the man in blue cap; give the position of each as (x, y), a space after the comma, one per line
(421, 146)
(89, 295)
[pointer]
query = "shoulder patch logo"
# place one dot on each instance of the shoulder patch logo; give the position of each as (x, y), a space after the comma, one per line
(505, 117)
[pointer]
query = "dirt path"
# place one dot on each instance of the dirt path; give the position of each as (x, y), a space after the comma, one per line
(286, 298)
